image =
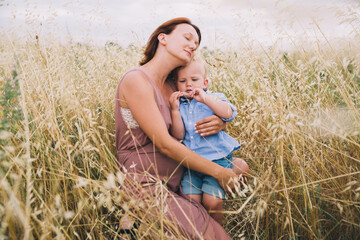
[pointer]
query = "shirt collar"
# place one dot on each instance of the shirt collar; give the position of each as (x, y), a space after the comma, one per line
(184, 100)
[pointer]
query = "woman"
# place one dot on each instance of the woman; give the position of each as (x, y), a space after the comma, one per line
(145, 149)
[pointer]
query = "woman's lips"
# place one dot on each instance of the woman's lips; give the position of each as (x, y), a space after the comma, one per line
(189, 53)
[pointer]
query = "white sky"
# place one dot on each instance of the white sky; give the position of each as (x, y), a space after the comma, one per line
(223, 23)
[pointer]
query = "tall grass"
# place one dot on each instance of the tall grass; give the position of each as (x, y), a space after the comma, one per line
(298, 124)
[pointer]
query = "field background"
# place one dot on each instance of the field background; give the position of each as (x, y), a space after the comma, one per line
(298, 123)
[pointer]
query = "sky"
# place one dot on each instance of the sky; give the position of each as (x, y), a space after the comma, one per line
(224, 23)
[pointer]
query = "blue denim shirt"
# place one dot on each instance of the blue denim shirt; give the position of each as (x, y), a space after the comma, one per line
(211, 147)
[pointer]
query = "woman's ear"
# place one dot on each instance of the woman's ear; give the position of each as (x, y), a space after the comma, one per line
(162, 38)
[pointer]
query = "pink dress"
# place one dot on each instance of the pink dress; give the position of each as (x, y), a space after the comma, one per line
(139, 157)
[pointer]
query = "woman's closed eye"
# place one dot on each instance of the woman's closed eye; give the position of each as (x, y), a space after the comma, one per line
(194, 79)
(187, 36)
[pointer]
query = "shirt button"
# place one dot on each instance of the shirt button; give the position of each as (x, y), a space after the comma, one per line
(191, 137)
(190, 112)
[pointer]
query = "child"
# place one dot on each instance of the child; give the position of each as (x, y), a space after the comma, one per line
(190, 104)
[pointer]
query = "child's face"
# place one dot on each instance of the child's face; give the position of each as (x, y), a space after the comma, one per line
(190, 77)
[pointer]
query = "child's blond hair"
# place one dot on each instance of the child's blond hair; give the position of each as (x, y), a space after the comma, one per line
(194, 59)
(203, 62)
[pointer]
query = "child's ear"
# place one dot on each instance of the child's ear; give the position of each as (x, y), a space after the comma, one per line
(206, 82)
(162, 38)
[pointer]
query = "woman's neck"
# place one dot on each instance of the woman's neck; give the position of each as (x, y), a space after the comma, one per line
(159, 67)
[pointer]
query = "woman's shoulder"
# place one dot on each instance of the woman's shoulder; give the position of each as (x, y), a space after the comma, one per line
(134, 73)
(134, 85)
(135, 77)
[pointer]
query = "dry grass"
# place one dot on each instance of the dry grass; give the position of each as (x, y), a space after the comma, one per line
(298, 124)
(299, 119)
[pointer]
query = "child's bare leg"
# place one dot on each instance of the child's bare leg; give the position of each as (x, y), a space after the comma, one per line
(213, 203)
(196, 197)
(241, 167)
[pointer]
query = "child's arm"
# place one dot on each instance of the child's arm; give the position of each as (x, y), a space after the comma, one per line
(220, 108)
(177, 129)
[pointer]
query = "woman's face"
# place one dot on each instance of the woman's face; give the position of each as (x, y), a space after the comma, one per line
(182, 42)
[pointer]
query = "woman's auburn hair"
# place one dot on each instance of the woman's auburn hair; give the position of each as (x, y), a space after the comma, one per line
(167, 27)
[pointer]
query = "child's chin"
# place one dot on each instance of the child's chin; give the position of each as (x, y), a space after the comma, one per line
(187, 95)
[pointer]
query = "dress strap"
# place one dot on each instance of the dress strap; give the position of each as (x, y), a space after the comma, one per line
(159, 97)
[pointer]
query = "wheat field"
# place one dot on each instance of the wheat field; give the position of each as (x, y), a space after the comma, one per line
(298, 123)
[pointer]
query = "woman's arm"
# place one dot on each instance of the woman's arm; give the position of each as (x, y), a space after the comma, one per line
(139, 96)
(177, 128)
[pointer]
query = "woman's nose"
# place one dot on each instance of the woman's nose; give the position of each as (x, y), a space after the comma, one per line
(192, 45)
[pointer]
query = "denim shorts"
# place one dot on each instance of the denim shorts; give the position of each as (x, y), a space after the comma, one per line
(197, 183)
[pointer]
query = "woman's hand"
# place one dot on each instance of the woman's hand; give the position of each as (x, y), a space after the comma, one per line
(209, 125)
(227, 178)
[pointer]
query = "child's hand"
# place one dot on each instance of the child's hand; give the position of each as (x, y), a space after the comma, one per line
(174, 100)
(199, 95)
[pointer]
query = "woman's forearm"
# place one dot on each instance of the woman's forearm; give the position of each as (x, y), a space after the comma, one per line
(188, 158)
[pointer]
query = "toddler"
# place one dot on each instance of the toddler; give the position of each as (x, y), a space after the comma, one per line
(191, 103)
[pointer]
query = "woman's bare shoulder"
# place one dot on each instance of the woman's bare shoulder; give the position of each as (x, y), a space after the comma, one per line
(135, 79)
(135, 85)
